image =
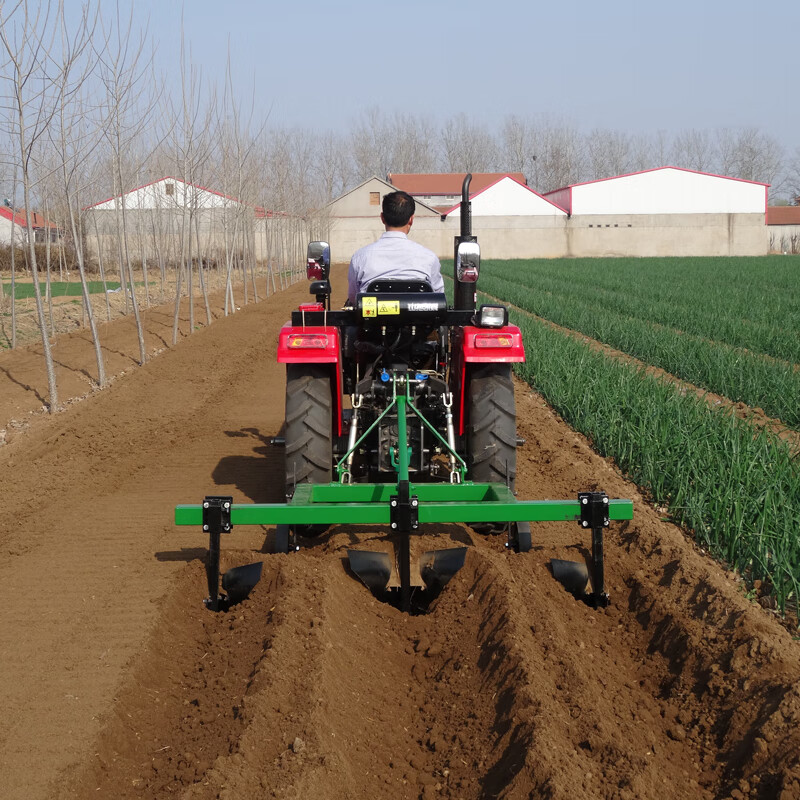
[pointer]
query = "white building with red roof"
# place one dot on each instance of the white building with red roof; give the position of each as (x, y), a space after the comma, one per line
(664, 190)
(668, 211)
(442, 190)
(155, 217)
(167, 193)
(507, 197)
(16, 221)
(12, 224)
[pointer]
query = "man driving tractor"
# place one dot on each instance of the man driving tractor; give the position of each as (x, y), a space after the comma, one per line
(394, 256)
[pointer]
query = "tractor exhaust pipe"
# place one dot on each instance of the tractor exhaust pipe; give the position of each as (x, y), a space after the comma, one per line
(466, 255)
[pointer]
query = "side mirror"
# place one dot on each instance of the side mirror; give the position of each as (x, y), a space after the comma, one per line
(318, 263)
(468, 262)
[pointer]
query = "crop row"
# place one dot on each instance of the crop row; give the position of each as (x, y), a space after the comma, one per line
(746, 303)
(739, 375)
(735, 486)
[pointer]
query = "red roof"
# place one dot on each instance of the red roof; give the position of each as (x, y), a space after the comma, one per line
(9, 214)
(783, 215)
(37, 220)
(447, 183)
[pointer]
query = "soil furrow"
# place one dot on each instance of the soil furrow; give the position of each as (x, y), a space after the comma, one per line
(117, 682)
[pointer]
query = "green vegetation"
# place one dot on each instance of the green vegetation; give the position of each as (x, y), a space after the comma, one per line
(650, 309)
(58, 288)
(735, 486)
(752, 303)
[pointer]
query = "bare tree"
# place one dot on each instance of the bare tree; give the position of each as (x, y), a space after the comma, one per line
(749, 154)
(74, 138)
(519, 147)
(793, 179)
(371, 145)
(467, 146)
(608, 153)
(560, 161)
(28, 43)
(191, 144)
(694, 149)
(124, 73)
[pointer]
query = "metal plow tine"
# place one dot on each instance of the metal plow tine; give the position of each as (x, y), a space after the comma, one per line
(573, 575)
(239, 581)
(373, 569)
(437, 566)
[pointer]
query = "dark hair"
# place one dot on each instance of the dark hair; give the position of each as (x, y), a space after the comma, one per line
(398, 208)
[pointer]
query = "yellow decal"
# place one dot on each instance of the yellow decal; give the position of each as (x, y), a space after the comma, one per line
(388, 307)
(369, 306)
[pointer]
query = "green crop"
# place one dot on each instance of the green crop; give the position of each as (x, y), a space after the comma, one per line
(751, 303)
(59, 288)
(734, 485)
(741, 375)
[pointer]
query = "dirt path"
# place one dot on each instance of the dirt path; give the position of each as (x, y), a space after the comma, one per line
(117, 683)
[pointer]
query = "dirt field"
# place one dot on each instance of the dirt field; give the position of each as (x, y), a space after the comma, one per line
(117, 683)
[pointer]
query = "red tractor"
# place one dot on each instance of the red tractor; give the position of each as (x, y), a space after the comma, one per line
(428, 435)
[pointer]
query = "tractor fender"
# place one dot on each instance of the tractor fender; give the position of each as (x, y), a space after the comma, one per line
(483, 346)
(315, 344)
(492, 345)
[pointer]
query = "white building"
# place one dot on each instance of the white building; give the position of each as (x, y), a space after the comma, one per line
(665, 190)
(167, 193)
(12, 222)
(159, 215)
(508, 197)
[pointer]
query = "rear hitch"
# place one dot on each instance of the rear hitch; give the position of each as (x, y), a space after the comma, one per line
(574, 575)
(237, 582)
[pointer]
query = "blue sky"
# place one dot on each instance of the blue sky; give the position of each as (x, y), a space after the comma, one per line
(632, 66)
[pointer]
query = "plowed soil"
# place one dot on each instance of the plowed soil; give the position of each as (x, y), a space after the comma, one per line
(117, 683)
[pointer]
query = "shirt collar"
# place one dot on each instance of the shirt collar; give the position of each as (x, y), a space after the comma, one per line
(393, 235)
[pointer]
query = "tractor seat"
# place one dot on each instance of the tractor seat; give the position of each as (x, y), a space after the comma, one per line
(398, 287)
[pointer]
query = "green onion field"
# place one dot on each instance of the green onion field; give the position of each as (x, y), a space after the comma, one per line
(728, 326)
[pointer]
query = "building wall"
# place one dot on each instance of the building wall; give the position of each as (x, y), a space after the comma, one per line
(666, 235)
(783, 238)
(668, 191)
(579, 236)
(6, 225)
(358, 202)
(157, 234)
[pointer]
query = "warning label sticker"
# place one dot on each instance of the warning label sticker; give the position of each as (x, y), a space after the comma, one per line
(369, 306)
(388, 306)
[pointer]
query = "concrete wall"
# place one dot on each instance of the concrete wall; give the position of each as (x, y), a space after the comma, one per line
(580, 236)
(158, 234)
(783, 238)
(666, 235)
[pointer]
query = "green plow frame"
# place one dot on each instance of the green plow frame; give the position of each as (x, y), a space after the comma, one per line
(369, 504)
(404, 506)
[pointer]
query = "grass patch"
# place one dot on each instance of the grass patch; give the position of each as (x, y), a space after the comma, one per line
(23, 291)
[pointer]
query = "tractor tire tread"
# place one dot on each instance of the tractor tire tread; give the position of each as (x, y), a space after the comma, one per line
(492, 425)
(309, 434)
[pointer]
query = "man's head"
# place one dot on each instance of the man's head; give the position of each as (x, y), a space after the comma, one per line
(398, 209)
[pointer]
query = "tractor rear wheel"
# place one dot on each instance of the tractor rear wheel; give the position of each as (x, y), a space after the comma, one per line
(309, 434)
(491, 430)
